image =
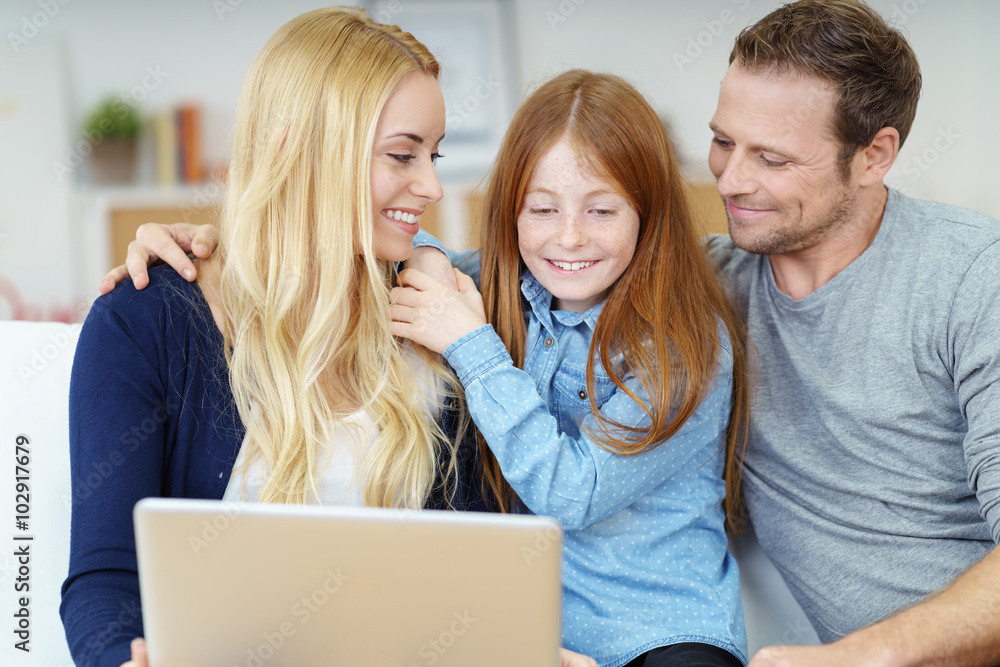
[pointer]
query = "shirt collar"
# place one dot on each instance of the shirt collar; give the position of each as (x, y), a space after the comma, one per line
(540, 300)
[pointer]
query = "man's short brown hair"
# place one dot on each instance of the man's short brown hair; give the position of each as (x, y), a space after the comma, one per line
(874, 71)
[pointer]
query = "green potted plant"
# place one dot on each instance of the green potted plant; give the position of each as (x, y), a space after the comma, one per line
(112, 131)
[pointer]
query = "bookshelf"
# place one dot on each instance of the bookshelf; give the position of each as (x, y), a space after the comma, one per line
(708, 209)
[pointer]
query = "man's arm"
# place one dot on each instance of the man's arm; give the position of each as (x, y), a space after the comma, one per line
(168, 243)
(958, 626)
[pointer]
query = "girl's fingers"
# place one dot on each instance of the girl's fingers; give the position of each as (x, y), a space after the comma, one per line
(404, 296)
(465, 283)
(417, 279)
(401, 313)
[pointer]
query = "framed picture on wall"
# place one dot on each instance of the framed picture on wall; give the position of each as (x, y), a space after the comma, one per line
(474, 41)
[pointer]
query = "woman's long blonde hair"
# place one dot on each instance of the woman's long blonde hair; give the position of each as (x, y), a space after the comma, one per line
(306, 301)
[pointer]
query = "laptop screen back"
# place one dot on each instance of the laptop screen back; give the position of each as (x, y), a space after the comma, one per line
(227, 585)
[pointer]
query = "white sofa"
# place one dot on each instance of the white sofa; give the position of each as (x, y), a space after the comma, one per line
(771, 613)
(35, 362)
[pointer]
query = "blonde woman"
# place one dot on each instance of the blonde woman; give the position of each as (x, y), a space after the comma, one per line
(275, 376)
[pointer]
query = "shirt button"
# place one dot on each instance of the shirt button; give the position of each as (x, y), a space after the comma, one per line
(549, 341)
(583, 395)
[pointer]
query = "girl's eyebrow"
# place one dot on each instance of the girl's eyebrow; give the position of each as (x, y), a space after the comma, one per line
(546, 191)
(603, 191)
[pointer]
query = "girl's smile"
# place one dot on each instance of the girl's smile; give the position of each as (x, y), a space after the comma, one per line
(576, 232)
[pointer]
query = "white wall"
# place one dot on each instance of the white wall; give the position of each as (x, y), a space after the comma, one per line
(200, 50)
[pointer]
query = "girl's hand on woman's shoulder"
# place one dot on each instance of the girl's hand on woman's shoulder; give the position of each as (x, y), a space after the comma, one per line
(432, 314)
(434, 263)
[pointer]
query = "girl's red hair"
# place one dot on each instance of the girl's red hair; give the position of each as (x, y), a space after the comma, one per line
(662, 315)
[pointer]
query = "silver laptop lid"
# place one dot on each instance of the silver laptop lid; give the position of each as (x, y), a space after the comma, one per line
(252, 585)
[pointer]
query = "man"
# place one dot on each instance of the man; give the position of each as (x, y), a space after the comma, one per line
(872, 474)
(873, 469)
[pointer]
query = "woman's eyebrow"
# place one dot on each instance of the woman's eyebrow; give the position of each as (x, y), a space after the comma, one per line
(415, 138)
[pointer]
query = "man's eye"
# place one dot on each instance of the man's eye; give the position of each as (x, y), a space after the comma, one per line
(772, 163)
(722, 143)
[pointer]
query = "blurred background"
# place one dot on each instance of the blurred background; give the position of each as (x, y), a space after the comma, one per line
(118, 112)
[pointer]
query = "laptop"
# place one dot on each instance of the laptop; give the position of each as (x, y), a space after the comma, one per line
(253, 585)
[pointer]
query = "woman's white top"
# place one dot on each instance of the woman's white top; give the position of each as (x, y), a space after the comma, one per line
(338, 482)
(341, 464)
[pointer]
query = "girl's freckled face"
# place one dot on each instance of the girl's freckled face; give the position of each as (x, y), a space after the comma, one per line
(576, 232)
